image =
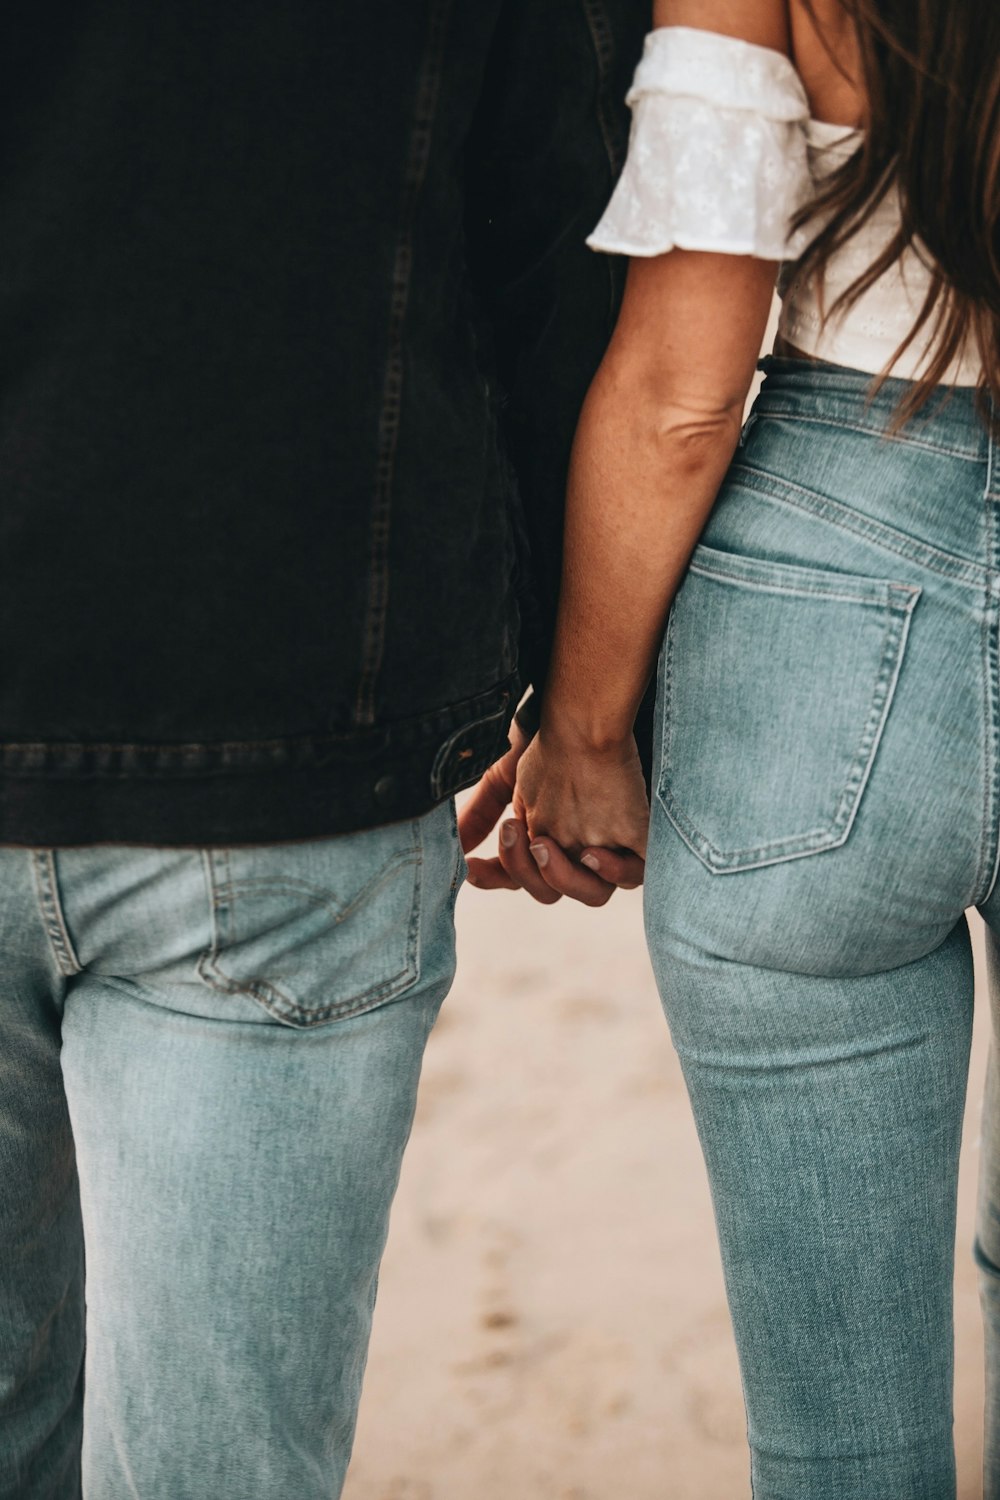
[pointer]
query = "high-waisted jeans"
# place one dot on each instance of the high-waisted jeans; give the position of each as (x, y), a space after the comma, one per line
(827, 806)
(208, 1065)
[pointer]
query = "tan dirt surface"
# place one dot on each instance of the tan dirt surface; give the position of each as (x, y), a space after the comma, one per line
(551, 1321)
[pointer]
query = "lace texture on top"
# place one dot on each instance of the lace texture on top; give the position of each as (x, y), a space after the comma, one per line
(867, 334)
(722, 155)
(717, 156)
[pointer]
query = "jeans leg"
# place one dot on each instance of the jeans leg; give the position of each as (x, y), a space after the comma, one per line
(829, 1112)
(237, 1170)
(41, 1236)
(988, 1233)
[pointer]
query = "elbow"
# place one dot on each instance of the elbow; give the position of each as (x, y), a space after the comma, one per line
(691, 425)
(693, 441)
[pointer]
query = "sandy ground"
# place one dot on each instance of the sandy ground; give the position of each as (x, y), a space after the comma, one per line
(551, 1322)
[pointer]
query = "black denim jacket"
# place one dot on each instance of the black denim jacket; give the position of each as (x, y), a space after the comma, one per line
(295, 322)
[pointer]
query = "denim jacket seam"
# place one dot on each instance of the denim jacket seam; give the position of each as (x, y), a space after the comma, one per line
(390, 415)
(233, 758)
(602, 39)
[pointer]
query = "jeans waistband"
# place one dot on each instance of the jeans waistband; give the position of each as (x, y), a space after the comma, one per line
(954, 420)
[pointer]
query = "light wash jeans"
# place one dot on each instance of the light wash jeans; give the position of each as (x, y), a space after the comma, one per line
(208, 1063)
(828, 805)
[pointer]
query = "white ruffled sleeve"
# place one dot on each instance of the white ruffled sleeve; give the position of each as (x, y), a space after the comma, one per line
(717, 156)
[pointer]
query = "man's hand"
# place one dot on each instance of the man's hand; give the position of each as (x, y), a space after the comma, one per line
(541, 868)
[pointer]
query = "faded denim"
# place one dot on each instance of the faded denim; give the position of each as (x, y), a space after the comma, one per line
(827, 808)
(207, 1077)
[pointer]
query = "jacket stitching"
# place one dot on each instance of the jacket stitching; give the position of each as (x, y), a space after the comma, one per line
(200, 759)
(428, 90)
(602, 38)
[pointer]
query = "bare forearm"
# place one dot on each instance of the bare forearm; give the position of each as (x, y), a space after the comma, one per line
(642, 483)
(656, 435)
(654, 441)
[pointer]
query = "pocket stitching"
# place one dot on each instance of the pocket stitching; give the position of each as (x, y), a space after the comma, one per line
(899, 603)
(764, 582)
(781, 491)
(271, 996)
(775, 413)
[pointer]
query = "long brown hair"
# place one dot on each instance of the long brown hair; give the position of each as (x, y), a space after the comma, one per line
(931, 76)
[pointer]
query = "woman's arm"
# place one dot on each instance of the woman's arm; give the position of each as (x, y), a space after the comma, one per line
(656, 435)
(655, 438)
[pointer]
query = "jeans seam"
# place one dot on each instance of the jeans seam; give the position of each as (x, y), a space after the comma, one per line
(990, 451)
(835, 833)
(50, 905)
(835, 513)
(764, 412)
(986, 878)
(281, 1005)
(760, 586)
(461, 867)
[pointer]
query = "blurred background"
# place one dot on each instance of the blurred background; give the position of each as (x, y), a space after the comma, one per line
(551, 1322)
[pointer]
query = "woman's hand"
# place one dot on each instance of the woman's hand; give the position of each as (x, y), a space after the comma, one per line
(546, 873)
(582, 798)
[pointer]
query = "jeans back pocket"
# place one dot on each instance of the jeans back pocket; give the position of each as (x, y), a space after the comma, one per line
(776, 684)
(320, 930)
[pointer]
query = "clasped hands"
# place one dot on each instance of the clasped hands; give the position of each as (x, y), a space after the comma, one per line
(578, 825)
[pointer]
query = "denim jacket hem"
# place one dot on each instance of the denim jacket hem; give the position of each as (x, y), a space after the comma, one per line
(267, 791)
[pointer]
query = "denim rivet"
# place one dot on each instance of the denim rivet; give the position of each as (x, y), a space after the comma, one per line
(384, 791)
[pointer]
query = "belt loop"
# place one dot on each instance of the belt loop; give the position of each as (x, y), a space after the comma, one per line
(991, 431)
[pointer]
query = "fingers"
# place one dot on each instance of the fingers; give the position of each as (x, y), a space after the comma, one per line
(488, 802)
(490, 875)
(520, 864)
(565, 876)
(620, 867)
(547, 873)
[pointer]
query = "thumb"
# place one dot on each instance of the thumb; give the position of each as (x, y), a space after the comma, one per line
(488, 802)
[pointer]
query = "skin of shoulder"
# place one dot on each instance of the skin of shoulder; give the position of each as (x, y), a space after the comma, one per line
(764, 22)
(820, 41)
(824, 48)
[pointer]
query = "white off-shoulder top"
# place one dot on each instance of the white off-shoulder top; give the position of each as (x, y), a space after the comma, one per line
(722, 154)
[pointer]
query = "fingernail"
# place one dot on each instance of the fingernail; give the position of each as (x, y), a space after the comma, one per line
(508, 835)
(541, 854)
(591, 861)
